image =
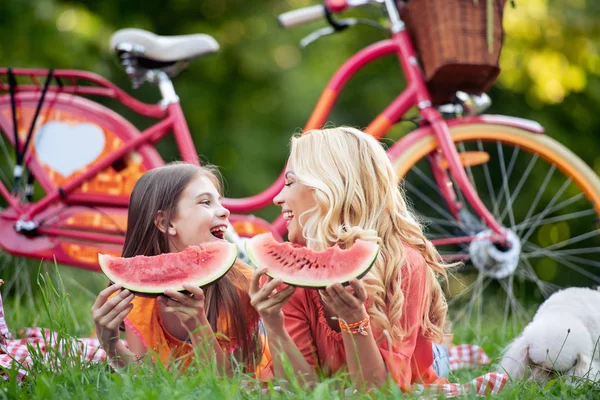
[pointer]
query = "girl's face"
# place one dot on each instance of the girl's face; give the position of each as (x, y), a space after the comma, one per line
(200, 216)
(294, 199)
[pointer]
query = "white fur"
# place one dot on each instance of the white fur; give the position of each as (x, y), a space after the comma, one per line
(563, 338)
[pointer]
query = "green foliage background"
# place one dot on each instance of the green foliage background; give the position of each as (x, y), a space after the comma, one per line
(243, 103)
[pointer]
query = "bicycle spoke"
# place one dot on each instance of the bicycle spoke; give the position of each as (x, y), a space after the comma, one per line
(520, 184)
(505, 177)
(571, 265)
(566, 217)
(516, 307)
(583, 261)
(427, 200)
(546, 288)
(506, 309)
(4, 178)
(543, 252)
(589, 250)
(543, 213)
(443, 233)
(425, 178)
(557, 207)
(6, 151)
(488, 180)
(539, 194)
(448, 223)
(477, 288)
(437, 235)
(569, 241)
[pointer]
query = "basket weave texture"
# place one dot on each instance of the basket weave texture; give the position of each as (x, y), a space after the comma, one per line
(451, 38)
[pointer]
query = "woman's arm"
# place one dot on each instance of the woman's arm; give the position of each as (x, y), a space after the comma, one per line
(365, 363)
(284, 349)
(269, 306)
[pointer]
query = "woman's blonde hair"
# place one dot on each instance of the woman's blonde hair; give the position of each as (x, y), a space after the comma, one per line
(358, 197)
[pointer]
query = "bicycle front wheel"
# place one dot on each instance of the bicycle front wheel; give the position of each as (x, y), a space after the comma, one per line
(547, 198)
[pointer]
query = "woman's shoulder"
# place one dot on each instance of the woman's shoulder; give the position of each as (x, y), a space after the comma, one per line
(302, 301)
(413, 255)
(414, 262)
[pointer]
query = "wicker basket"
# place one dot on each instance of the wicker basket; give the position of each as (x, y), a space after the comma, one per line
(451, 37)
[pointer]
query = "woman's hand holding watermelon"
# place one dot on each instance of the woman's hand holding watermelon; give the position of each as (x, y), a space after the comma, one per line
(189, 308)
(347, 303)
(267, 300)
(109, 313)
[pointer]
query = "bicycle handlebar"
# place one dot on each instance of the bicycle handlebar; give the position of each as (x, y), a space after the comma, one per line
(306, 15)
(301, 16)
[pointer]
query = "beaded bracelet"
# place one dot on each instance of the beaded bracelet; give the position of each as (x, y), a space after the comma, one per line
(356, 328)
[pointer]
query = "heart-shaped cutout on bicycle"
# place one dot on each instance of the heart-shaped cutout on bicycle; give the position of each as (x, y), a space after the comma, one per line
(67, 148)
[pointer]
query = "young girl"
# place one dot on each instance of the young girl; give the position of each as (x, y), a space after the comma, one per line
(340, 186)
(171, 208)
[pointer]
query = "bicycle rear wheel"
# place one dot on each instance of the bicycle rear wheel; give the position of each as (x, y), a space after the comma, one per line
(71, 135)
(539, 190)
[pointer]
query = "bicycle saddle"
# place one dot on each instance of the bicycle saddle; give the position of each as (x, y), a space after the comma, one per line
(162, 49)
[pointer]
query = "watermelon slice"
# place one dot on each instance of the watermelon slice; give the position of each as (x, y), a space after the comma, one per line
(197, 265)
(300, 266)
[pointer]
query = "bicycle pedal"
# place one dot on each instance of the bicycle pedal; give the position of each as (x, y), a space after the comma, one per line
(468, 159)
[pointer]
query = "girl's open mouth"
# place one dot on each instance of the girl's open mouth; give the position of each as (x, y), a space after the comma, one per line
(218, 231)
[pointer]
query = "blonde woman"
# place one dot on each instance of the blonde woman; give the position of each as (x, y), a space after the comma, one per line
(340, 186)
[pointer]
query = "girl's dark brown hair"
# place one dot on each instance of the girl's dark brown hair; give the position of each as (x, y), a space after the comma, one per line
(160, 190)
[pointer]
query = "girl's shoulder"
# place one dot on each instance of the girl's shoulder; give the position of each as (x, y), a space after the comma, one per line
(143, 307)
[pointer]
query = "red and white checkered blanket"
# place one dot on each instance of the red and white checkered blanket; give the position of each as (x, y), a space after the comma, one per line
(17, 353)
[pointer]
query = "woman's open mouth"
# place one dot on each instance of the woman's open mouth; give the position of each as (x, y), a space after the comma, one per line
(288, 216)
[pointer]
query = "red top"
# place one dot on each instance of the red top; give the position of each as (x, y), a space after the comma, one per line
(408, 362)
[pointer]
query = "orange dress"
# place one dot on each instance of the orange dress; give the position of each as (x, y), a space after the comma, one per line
(145, 321)
(407, 362)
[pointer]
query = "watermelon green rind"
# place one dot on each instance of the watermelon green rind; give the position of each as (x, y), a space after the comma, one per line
(253, 247)
(216, 273)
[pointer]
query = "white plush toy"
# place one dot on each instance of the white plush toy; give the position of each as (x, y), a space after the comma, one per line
(562, 339)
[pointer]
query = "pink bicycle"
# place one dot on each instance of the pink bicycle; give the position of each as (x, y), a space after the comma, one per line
(492, 190)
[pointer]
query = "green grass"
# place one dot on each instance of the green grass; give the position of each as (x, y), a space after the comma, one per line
(60, 298)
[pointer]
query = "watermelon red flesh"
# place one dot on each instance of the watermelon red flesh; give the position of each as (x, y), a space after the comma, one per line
(300, 266)
(197, 265)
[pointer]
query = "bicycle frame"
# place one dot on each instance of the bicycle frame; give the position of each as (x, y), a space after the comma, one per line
(171, 118)
(415, 94)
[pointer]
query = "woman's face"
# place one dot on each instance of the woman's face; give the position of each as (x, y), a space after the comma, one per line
(200, 216)
(294, 199)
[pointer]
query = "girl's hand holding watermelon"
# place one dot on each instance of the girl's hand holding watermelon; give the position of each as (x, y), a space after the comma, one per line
(189, 308)
(108, 313)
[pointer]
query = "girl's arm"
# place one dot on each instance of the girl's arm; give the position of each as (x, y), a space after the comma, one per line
(202, 336)
(190, 310)
(120, 356)
(109, 310)
(281, 344)
(365, 363)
